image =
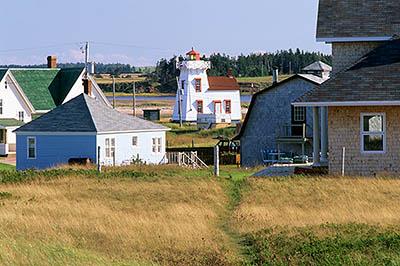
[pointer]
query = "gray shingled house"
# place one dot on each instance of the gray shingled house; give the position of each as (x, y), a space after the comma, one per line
(363, 96)
(272, 123)
(80, 128)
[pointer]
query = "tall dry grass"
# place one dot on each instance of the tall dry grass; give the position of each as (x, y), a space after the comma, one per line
(312, 201)
(167, 220)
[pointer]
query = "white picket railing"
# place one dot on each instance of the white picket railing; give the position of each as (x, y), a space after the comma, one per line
(188, 159)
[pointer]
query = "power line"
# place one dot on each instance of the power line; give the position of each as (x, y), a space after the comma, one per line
(38, 47)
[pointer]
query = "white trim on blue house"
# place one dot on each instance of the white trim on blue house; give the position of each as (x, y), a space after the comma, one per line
(354, 39)
(27, 148)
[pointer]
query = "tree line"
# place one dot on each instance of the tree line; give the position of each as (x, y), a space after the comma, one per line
(253, 65)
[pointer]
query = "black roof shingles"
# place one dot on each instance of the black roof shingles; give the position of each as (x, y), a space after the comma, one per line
(86, 114)
(375, 77)
(358, 18)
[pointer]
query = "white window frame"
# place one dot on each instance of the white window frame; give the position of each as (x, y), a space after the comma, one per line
(156, 145)
(1, 106)
(27, 148)
(137, 141)
(366, 133)
(109, 149)
(297, 113)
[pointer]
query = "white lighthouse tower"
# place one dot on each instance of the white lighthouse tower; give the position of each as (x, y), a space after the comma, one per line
(211, 98)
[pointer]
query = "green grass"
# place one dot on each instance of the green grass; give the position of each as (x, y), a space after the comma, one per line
(265, 79)
(182, 137)
(4, 166)
(122, 94)
(329, 244)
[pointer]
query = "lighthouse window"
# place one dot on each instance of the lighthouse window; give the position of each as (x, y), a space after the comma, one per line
(198, 85)
(200, 107)
(228, 106)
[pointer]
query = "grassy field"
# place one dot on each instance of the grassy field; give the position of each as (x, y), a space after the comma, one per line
(124, 78)
(183, 137)
(166, 215)
(265, 79)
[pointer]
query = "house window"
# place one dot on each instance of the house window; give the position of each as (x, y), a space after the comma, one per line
(156, 145)
(198, 85)
(21, 116)
(2, 136)
(1, 106)
(199, 106)
(182, 85)
(110, 147)
(31, 148)
(228, 106)
(299, 114)
(134, 141)
(373, 133)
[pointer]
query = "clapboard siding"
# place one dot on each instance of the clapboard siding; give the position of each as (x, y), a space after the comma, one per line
(125, 152)
(53, 150)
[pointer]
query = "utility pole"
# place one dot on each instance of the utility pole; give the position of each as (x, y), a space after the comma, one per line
(134, 99)
(113, 81)
(86, 59)
(179, 103)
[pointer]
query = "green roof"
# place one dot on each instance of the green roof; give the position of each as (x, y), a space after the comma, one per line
(10, 122)
(2, 73)
(46, 88)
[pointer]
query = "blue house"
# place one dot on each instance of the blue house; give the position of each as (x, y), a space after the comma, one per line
(84, 127)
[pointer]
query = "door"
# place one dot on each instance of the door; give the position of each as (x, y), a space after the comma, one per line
(217, 107)
(298, 119)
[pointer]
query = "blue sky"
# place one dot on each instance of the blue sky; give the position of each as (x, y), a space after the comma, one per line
(142, 32)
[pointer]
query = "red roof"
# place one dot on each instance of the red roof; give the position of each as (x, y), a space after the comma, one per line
(223, 84)
(193, 52)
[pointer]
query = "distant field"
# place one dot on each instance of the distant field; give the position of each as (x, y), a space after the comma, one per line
(124, 78)
(183, 137)
(265, 79)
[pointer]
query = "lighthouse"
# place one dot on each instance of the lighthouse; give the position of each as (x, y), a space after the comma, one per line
(209, 99)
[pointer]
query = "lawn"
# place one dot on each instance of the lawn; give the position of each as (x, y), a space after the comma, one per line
(4, 166)
(183, 137)
(124, 78)
(168, 215)
(264, 79)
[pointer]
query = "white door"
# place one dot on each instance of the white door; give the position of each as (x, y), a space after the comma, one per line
(217, 107)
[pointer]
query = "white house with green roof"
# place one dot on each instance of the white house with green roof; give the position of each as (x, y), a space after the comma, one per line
(26, 93)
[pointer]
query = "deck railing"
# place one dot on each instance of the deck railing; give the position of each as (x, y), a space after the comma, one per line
(294, 130)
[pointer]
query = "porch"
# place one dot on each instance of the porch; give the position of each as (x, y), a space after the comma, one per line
(294, 134)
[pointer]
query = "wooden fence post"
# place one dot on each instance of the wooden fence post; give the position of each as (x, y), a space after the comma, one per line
(343, 157)
(98, 160)
(216, 160)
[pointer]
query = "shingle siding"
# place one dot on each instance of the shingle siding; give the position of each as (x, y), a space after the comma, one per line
(271, 109)
(345, 54)
(344, 131)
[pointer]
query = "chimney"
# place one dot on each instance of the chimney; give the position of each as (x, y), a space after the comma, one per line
(87, 86)
(230, 72)
(275, 75)
(51, 62)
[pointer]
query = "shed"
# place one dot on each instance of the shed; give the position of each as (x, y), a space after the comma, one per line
(81, 128)
(152, 115)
